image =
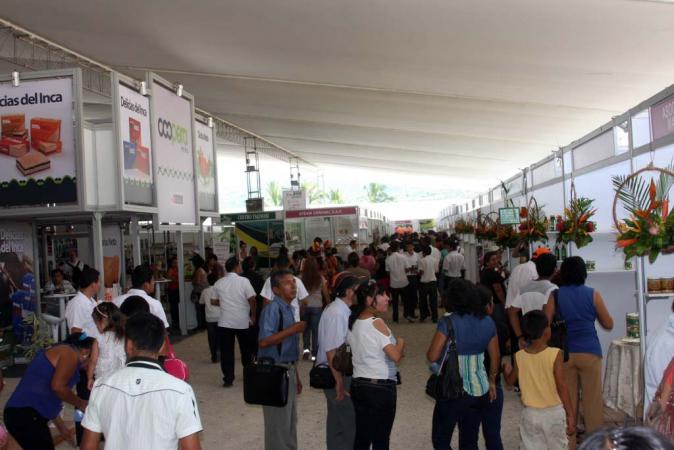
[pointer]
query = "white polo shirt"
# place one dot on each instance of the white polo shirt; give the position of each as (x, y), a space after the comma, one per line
(411, 262)
(233, 291)
(141, 407)
(435, 254)
(453, 264)
(155, 305)
(395, 266)
(332, 329)
(302, 293)
(78, 314)
(427, 265)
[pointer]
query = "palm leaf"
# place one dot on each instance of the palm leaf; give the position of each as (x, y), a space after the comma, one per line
(665, 182)
(633, 193)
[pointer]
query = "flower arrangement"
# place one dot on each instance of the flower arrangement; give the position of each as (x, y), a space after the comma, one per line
(507, 236)
(534, 224)
(649, 229)
(486, 228)
(462, 226)
(575, 226)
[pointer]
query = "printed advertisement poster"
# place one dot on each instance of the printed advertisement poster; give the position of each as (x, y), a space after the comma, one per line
(112, 254)
(294, 200)
(37, 143)
(172, 139)
(135, 141)
(18, 298)
(205, 166)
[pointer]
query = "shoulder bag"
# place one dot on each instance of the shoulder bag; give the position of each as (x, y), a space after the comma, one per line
(342, 360)
(175, 366)
(320, 377)
(264, 382)
(447, 384)
(559, 338)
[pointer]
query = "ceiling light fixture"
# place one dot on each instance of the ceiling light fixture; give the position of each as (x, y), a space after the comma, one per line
(15, 79)
(143, 88)
(210, 122)
(179, 90)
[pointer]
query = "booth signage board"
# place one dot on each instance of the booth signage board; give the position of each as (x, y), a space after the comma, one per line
(112, 254)
(294, 200)
(662, 118)
(205, 139)
(38, 159)
(172, 139)
(18, 294)
(135, 145)
(509, 216)
(244, 217)
(319, 212)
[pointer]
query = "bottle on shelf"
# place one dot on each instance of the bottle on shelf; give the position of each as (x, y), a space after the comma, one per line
(553, 223)
(564, 253)
(558, 253)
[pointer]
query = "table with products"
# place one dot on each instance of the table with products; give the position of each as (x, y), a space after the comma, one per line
(623, 386)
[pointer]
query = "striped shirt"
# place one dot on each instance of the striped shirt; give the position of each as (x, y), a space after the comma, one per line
(475, 381)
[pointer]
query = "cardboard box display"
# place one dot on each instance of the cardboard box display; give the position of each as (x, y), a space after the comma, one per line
(44, 129)
(13, 124)
(134, 132)
(129, 155)
(14, 147)
(32, 162)
(143, 160)
(47, 148)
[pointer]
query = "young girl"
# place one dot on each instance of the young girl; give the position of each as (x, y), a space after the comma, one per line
(107, 354)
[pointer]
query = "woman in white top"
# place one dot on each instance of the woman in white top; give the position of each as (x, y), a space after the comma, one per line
(375, 352)
(107, 354)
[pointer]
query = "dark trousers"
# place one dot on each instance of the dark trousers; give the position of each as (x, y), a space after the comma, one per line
(428, 296)
(83, 392)
(212, 333)
(227, 350)
(491, 421)
(28, 428)
(466, 412)
(410, 298)
(397, 295)
(174, 300)
(375, 407)
(201, 316)
(312, 316)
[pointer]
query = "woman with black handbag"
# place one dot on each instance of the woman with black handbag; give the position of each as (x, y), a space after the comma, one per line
(464, 336)
(580, 306)
(375, 353)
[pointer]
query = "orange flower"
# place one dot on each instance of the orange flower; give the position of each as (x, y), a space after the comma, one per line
(622, 243)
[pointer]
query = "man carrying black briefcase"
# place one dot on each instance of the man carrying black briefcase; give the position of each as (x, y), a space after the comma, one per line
(279, 341)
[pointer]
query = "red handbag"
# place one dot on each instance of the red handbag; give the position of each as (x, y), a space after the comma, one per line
(175, 366)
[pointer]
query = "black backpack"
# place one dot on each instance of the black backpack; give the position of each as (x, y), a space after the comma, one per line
(558, 337)
(447, 384)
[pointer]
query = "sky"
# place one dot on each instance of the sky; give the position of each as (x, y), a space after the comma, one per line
(416, 196)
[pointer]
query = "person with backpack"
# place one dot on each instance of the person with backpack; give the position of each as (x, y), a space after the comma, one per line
(472, 332)
(548, 416)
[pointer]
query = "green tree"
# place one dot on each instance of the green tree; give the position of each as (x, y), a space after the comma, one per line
(376, 193)
(274, 196)
(336, 197)
(314, 193)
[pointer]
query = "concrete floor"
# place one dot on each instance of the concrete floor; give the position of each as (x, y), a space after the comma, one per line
(231, 424)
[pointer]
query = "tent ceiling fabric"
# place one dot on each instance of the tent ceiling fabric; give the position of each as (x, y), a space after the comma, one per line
(462, 88)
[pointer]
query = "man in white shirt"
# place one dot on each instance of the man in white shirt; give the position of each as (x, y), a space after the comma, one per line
(141, 407)
(520, 277)
(428, 286)
(236, 298)
(212, 313)
(534, 295)
(453, 265)
(384, 244)
(332, 330)
(659, 353)
(79, 308)
(395, 266)
(142, 283)
(282, 263)
(412, 271)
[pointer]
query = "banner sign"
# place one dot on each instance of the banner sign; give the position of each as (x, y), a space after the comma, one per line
(205, 166)
(662, 118)
(509, 216)
(112, 254)
(37, 143)
(18, 296)
(133, 111)
(172, 140)
(244, 217)
(294, 200)
(321, 212)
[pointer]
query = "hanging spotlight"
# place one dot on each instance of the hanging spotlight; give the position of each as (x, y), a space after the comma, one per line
(179, 90)
(143, 88)
(15, 79)
(210, 122)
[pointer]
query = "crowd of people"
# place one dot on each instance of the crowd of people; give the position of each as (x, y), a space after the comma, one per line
(532, 328)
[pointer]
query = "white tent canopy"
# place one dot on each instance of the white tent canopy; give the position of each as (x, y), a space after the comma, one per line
(470, 90)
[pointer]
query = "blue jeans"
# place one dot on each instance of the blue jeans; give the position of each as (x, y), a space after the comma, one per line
(312, 315)
(467, 413)
(491, 421)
